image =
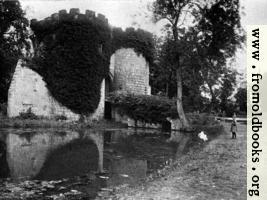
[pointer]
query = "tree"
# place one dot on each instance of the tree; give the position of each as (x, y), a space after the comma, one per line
(13, 39)
(213, 29)
(162, 72)
(172, 11)
(220, 35)
(163, 77)
(226, 90)
(241, 99)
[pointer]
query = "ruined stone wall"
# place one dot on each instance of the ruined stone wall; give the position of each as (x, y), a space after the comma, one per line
(28, 90)
(131, 72)
(99, 112)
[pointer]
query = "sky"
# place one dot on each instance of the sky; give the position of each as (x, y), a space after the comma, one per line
(123, 13)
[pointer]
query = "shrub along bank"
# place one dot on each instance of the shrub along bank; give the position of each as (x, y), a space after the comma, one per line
(145, 108)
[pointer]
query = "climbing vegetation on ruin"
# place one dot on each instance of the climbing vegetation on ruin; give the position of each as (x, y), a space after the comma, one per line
(73, 56)
(141, 41)
(73, 59)
(146, 108)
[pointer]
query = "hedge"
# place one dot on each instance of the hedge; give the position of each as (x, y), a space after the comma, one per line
(146, 108)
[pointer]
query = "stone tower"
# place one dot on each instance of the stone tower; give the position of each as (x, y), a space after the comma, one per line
(130, 71)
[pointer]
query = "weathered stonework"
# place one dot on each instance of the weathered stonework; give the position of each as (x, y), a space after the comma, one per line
(28, 91)
(130, 71)
(125, 119)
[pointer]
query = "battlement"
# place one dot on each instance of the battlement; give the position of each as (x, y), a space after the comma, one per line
(74, 13)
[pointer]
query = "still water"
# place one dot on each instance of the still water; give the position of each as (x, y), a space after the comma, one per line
(111, 157)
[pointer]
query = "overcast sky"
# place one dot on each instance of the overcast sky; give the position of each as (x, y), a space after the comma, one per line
(123, 13)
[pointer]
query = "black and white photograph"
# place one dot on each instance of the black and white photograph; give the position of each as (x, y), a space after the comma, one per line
(130, 99)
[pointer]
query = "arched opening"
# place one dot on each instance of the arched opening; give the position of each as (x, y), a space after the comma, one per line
(166, 126)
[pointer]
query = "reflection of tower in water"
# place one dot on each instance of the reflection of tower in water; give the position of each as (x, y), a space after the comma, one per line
(181, 140)
(4, 170)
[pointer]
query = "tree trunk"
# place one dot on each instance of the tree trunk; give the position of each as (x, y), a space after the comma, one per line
(167, 89)
(213, 97)
(179, 102)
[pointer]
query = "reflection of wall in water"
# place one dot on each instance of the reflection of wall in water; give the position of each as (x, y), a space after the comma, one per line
(113, 136)
(26, 156)
(98, 139)
(4, 170)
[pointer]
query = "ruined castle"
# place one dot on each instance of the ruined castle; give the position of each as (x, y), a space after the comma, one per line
(129, 72)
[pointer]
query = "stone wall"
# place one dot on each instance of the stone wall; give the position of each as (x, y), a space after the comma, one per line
(119, 116)
(28, 91)
(125, 119)
(131, 72)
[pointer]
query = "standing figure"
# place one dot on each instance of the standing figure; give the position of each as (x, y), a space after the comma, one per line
(234, 127)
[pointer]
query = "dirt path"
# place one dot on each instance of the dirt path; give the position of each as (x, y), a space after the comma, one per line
(217, 172)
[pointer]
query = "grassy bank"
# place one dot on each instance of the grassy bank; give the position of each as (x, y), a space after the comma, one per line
(216, 170)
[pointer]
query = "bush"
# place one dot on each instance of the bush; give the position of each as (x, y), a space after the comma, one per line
(202, 119)
(207, 123)
(151, 109)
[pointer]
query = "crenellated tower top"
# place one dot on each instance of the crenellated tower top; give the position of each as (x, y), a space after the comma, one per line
(74, 13)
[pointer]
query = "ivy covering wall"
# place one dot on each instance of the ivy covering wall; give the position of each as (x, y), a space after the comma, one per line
(73, 56)
(141, 41)
(71, 62)
(146, 108)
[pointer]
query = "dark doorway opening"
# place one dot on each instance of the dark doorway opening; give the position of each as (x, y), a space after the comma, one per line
(166, 126)
(107, 112)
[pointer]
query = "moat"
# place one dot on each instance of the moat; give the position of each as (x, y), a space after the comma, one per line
(85, 161)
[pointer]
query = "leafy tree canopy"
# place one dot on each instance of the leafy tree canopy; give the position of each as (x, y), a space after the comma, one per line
(241, 99)
(13, 39)
(201, 38)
